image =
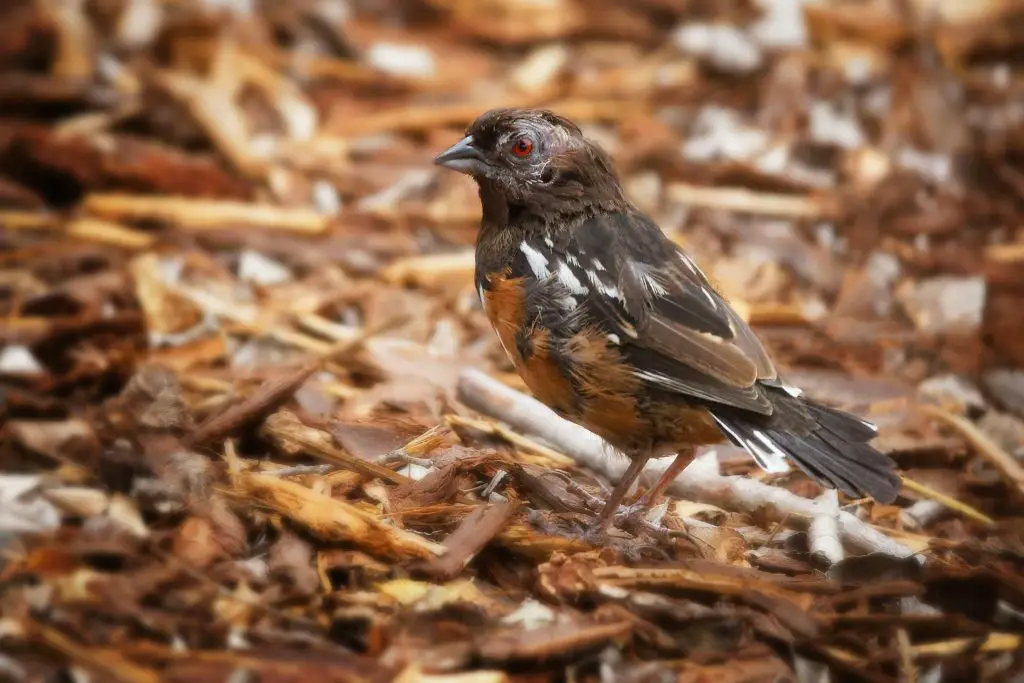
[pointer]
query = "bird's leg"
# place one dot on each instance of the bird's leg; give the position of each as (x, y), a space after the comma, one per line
(636, 465)
(634, 517)
(679, 463)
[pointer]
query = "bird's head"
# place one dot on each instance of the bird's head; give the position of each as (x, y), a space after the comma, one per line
(533, 157)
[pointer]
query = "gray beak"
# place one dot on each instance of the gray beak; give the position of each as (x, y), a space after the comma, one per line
(463, 157)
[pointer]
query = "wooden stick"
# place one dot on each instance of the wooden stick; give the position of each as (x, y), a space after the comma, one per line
(206, 214)
(108, 232)
(1005, 253)
(333, 519)
(982, 445)
(112, 666)
(28, 220)
(929, 493)
(823, 531)
(432, 270)
(748, 201)
(995, 642)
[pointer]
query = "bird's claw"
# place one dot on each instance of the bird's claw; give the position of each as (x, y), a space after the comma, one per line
(591, 501)
(634, 520)
(596, 536)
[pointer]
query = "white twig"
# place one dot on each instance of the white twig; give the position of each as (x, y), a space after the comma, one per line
(924, 512)
(824, 530)
(701, 481)
(300, 469)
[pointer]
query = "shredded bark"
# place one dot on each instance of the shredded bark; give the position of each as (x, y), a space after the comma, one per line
(254, 424)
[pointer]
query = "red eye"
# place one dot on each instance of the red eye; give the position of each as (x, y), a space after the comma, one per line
(522, 147)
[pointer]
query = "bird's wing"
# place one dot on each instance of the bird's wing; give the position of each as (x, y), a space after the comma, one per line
(654, 303)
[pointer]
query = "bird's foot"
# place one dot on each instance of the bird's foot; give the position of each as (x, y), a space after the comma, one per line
(637, 519)
(596, 536)
(591, 501)
(631, 519)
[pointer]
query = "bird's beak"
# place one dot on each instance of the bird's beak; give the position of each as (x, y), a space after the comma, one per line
(463, 157)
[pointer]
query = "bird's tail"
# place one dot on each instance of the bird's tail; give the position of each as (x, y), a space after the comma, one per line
(829, 445)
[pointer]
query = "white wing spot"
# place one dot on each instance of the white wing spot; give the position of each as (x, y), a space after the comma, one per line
(648, 280)
(656, 378)
(569, 279)
(776, 463)
(711, 299)
(598, 265)
(653, 286)
(550, 242)
(571, 258)
(614, 339)
(538, 262)
(772, 459)
(608, 290)
(793, 391)
(688, 262)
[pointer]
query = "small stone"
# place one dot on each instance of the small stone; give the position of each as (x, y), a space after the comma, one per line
(540, 68)
(19, 360)
(1005, 430)
(1007, 386)
(255, 267)
(951, 391)
(782, 25)
(830, 126)
(402, 60)
(945, 303)
(723, 47)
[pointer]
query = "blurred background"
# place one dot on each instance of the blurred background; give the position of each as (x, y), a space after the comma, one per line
(199, 196)
(850, 172)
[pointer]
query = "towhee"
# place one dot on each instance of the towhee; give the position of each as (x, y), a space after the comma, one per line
(614, 327)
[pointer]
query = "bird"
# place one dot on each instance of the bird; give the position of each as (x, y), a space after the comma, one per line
(615, 327)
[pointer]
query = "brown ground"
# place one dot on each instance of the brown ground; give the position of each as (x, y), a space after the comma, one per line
(224, 252)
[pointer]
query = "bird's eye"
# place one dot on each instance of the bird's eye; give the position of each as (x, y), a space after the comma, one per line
(522, 147)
